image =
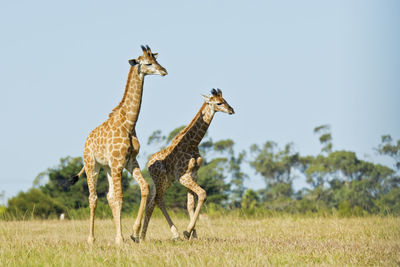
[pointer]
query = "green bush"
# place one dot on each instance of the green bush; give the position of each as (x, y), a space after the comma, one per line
(34, 204)
(389, 203)
(103, 211)
(2, 211)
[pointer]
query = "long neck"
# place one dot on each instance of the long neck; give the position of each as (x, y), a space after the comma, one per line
(129, 107)
(197, 128)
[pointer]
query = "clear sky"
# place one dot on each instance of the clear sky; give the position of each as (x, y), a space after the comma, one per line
(285, 66)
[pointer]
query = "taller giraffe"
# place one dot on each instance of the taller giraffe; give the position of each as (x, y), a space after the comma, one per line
(114, 146)
(181, 161)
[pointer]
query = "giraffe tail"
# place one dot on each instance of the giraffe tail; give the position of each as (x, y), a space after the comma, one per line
(75, 178)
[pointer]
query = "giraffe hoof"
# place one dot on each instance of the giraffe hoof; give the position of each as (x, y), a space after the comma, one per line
(119, 241)
(186, 234)
(135, 239)
(90, 240)
(194, 234)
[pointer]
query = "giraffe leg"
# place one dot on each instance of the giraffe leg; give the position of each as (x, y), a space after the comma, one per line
(162, 184)
(115, 199)
(148, 212)
(190, 208)
(189, 183)
(190, 196)
(157, 173)
(161, 204)
(133, 167)
(92, 172)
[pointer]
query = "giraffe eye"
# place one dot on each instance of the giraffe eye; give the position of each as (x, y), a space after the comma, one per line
(219, 104)
(148, 64)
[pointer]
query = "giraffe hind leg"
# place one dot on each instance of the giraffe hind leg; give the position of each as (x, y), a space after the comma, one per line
(148, 212)
(92, 172)
(133, 167)
(161, 204)
(162, 183)
(115, 199)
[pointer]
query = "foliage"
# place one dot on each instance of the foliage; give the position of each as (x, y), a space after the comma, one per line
(34, 203)
(390, 149)
(389, 203)
(277, 169)
(325, 137)
(233, 169)
(250, 201)
(3, 210)
(338, 183)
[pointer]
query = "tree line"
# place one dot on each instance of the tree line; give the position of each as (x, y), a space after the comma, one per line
(338, 182)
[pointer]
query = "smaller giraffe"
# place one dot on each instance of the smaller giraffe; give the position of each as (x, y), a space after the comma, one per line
(181, 161)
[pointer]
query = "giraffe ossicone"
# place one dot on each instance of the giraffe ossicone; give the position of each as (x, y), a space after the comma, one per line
(181, 161)
(114, 146)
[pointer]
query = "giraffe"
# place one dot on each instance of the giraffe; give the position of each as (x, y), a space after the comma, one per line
(181, 161)
(114, 146)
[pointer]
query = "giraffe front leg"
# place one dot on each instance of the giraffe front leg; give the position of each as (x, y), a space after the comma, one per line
(144, 190)
(190, 209)
(189, 183)
(190, 194)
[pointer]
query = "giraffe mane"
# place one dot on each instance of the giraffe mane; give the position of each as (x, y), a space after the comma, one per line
(125, 93)
(182, 133)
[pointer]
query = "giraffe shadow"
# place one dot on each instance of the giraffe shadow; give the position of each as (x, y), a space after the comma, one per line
(195, 240)
(221, 240)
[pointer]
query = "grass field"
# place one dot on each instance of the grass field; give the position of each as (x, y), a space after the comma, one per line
(226, 241)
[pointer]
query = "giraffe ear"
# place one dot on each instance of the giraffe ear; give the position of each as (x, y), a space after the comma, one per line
(133, 62)
(206, 98)
(155, 55)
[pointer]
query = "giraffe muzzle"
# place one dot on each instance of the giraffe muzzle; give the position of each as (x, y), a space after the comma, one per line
(163, 72)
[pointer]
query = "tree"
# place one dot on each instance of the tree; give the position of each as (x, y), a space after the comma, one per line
(233, 169)
(34, 203)
(318, 171)
(348, 179)
(339, 181)
(389, 202)
(325, 137)
(249, 201)
(277, 168)
(390, 149)
(237, 178)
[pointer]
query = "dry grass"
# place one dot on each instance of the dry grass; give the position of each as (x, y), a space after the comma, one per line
(222, 242)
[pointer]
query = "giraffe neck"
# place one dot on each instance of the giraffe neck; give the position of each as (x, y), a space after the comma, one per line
(197, 128)
(129, 107)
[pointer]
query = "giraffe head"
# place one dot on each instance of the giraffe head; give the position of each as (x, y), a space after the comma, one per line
(147, 63)
(217, 102)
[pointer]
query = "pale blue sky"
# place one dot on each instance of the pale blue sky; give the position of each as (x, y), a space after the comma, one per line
(285, 66)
